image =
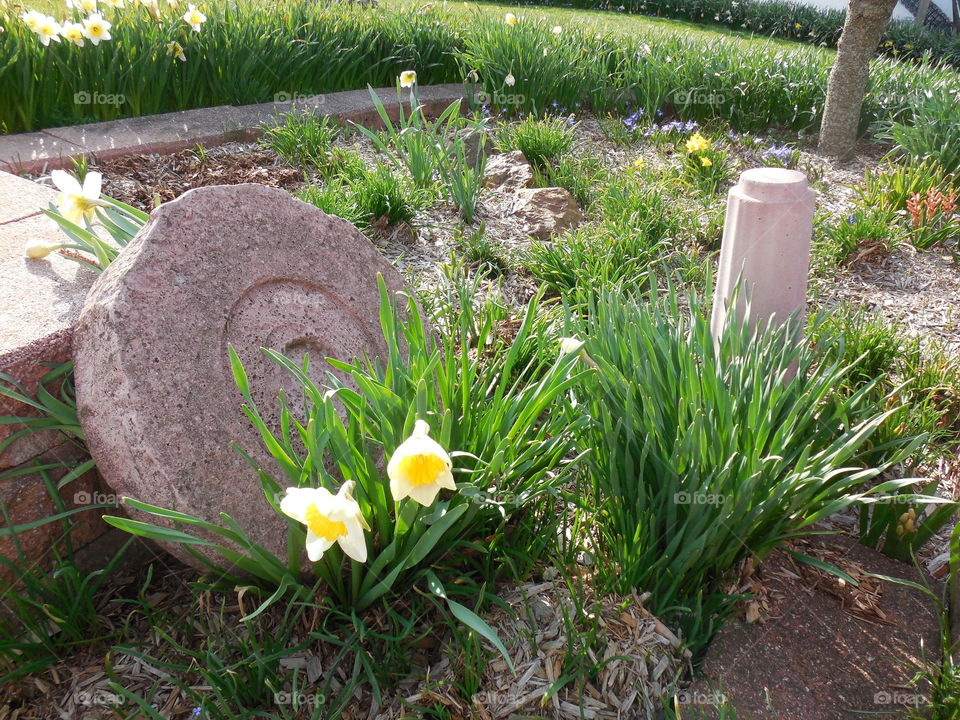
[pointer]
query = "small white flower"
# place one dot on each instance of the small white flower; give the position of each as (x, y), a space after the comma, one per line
(419, 468)
(510, 80)
(33, 19)
(557, 29)
(77, 203)
(48, 29)
(73, 32)
(408, 78)
(96, 28)
(510, 19)
(194, 18)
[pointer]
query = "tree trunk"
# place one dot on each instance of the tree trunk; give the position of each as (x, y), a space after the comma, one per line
(922, 9)
(864, 26)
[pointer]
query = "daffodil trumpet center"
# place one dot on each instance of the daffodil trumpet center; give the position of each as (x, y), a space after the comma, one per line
(422, 469)
(322, 526)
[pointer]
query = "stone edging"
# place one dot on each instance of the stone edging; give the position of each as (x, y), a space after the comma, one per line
(45, 150)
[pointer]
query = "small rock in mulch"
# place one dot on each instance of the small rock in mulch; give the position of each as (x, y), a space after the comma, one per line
(139, 180)
(543, 212)
(824, 650)
(509, 171)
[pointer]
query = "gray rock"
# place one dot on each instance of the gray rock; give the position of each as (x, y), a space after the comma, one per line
(247, 266)
(543, 212)
(509, 171)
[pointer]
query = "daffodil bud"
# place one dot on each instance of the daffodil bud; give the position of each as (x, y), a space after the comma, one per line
(575, 345)
(37, 249)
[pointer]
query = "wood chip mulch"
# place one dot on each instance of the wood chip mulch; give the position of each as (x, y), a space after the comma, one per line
(640, 661)
(139, 180)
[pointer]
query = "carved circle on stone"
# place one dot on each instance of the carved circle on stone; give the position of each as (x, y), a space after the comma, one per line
(242, 265)
(308, 320)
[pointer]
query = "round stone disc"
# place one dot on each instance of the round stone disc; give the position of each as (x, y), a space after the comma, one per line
(243, 265)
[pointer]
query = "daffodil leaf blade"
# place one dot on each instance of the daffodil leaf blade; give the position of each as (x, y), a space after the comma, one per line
(477, 624)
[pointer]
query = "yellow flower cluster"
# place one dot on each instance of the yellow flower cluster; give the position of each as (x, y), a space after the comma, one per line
(419, 468)
(697, 143)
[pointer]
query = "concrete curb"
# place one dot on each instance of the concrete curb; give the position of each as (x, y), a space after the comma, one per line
(45, 150)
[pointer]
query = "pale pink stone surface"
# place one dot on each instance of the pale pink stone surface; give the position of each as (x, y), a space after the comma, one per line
(766, 242)
(243, 265)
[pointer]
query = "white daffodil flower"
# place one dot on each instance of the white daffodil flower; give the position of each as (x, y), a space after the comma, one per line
(329, 519)
(96, 28)
(510, 19)
(33, 19)
(510, 80)
(48, 29)
(419, 468)
(78, 202)
(194, 18)
(408, 78)
(73, 32)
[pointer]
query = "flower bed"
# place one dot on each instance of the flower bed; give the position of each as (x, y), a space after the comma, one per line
(548, 447)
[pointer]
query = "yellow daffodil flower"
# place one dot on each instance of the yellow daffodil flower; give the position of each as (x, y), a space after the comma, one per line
(329, 519)
(509, 80)
(96, 28)
(48, 29)
(77, 202)
(36, 249)
(419, 468)
(697, 143)
(73, 32)
(510, 19)
(638, 164)
(176, 50)
(706, 162)
(33, 19)
(408, 78)
(798, 26)
(194, 18)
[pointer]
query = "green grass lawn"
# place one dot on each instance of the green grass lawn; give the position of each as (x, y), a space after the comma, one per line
(603, 21)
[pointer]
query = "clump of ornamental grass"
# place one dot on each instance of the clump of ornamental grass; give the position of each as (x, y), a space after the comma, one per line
(541, 140)
(759, 448)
